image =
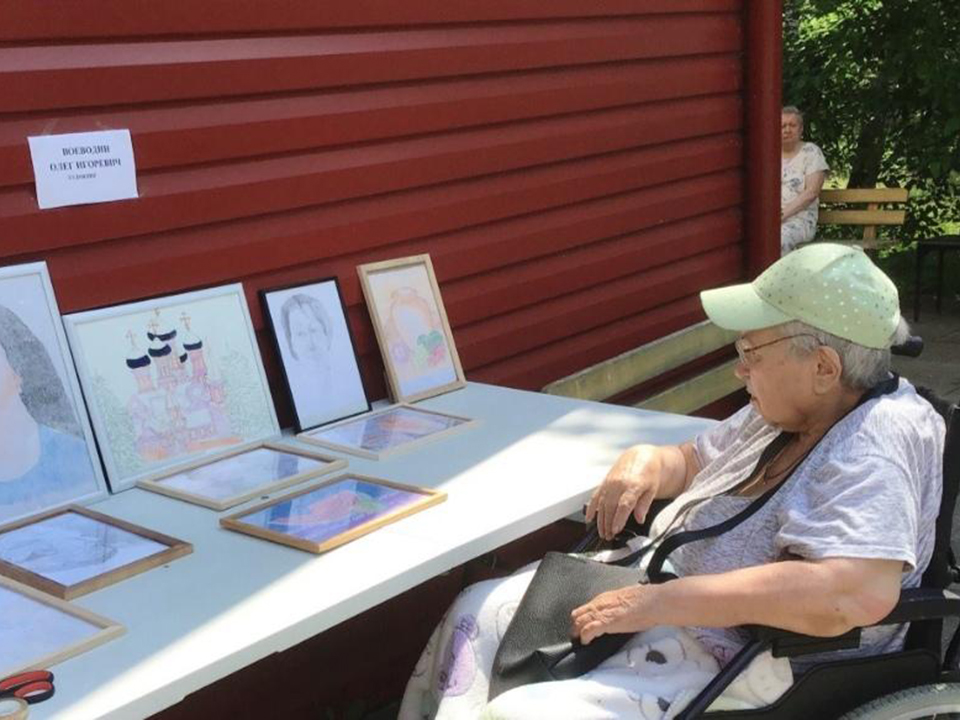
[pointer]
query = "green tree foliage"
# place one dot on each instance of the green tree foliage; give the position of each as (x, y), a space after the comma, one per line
(879, 84)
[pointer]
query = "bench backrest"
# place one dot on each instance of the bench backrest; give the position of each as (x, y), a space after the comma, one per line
(635, 367)
(869, 216)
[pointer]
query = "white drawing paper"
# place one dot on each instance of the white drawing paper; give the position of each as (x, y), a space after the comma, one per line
(31, 630)
(47, 453)
(81, 168)
(317, 355)
(171, 380)
(388, 429)
(414, 334)
(70, 548)
(228, 478)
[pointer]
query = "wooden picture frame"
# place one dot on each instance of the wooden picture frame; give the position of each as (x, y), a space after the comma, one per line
(31, 600)
(74, 539)
(160, 483)
(372, 436)
(171, 379)
(327, 497)
(317, 352)
(34, 354)
(410, 322)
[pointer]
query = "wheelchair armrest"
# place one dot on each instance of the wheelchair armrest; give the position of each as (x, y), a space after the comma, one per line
(915, 604)
(923, 604)
(785, 643)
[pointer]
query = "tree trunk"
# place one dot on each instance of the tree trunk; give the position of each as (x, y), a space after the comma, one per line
(865, 168)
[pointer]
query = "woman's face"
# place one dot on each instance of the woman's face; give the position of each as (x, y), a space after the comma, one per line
(790, 128)
(308, 338)
(9, 381)
(780, 383)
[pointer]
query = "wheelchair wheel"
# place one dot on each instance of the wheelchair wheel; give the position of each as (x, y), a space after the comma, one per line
(940, 701)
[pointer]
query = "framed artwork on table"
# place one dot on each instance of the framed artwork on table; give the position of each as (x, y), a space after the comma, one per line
(48, 457)
(411, 326)
(241, 474)
(316, 351)
(324, 516)
(171, 379)
(384, 432)
(37, 630)
(73, 551)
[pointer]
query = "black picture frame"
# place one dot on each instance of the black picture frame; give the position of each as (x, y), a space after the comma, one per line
(319, 292)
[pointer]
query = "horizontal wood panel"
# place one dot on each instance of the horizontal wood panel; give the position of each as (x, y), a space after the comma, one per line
(587, 265)
(634, 367)
(368, 229)
(33, 19)
(209, 132)
(864, 195)
(491, 339)
(862, 217)
(202, 197)
(497, 256)
(536, 368)
(38, 78)
(575, 171)
(696, 392)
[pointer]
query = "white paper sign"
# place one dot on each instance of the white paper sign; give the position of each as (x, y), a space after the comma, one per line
(81, 168)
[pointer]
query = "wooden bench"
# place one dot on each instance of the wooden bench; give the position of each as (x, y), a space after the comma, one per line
(647, 362)
(883, 206)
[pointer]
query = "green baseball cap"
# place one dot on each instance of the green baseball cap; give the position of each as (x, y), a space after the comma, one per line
(834, 288)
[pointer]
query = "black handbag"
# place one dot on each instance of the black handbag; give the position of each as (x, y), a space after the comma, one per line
(538, 647)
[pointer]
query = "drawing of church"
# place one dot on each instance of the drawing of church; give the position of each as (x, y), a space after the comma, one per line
(178, 409)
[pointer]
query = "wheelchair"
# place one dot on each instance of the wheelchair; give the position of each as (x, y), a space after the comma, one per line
(920, 681)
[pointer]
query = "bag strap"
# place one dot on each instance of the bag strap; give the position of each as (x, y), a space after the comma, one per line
(655, 572)
(656, 563)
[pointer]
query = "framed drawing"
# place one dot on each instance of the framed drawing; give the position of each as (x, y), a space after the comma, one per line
(384, 432)
(47, 453)
(171, 379)
(324, 516)
(412, 329)
(241, 474)
(74, 551)
(37, 631)
(316, 351)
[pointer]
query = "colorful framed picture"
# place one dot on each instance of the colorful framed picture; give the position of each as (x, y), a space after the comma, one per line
(384, 432)
(73, 551)
(411, 326)
(324, 516)
(171, 379)
(316, 351)
(241, 474)
(37, 630)
(47, 453)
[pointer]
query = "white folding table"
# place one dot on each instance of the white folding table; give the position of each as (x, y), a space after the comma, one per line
(532, 459)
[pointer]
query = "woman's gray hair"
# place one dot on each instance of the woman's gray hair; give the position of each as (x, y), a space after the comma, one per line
(793, 110)
(863, 367)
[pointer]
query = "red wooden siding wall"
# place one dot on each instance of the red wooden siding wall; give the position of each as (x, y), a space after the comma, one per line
(574, 168)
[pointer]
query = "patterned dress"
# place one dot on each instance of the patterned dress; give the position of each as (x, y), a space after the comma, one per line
(801, 227)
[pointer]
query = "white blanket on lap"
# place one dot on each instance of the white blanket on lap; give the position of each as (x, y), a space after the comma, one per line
(653, 677)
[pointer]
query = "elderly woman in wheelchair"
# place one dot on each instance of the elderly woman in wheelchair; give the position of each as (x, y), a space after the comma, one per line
(827, 487)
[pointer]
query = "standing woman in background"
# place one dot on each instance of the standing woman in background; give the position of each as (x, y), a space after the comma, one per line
(802, 172)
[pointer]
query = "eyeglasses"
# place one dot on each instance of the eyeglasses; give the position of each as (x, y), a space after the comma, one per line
(745, 351)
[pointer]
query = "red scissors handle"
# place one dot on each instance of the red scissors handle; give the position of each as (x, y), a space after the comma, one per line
(35, 686)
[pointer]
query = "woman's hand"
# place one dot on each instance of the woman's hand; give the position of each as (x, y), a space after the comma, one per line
(629, 487)
(627, 610)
